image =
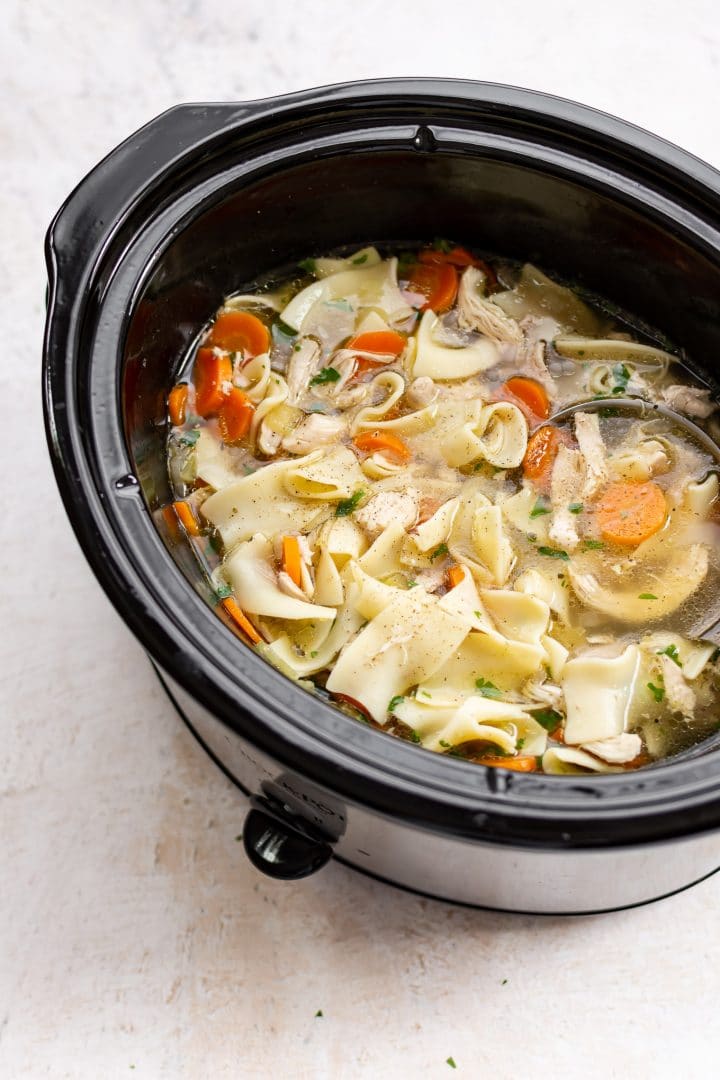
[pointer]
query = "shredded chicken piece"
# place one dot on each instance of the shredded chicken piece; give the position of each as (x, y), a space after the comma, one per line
(678, 694)
(387, 507)
(344, 362)
(477, 313)
(592, 448)
(431, 579)
(304, 360)
(565, 485)
(538, 689)
(313, 431)
(288, 586)
(268, 441)
(691, 400)
(616, 750)
(531, 358)
(421, 392)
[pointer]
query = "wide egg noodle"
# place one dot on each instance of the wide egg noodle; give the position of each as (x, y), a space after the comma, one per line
(216, 463)
(490, 656)
(432, 533)
(495, 433)
(328, 583)
(276, 392)
(598, 691)
(259, 503)
(567, 760)
(384, 556)
(464, 600)
(407, 642)
(476, 719)
(517, 510)
(330, 475)
(372, 417)
(447, 362)
(517, 615)
(320, 649)
(372, 286)
(250, 571)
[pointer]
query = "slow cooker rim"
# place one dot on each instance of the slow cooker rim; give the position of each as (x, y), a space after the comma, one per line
(166, 650)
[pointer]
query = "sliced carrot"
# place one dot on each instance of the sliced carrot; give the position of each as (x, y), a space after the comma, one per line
(239, 331)
(629, 513)
(461, 257)
(291, 558)
(530, 395)
(385, 342)
(541, 452)
(457, 256)
(177, 404)
(437, 282)
(237, 614)
(235, 415)
(384, 441)
(171, 520)
(213, 375)
(455, 575)
(517, 764)
(187, 518)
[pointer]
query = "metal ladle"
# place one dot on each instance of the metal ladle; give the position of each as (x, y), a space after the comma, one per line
(648, 410)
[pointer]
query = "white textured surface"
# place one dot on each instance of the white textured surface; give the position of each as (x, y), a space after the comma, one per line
(135, 939)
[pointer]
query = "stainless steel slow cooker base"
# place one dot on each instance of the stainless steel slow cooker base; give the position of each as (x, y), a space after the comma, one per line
(473, 873)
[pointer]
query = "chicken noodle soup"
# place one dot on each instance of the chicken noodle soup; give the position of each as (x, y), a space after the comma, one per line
(364, 458)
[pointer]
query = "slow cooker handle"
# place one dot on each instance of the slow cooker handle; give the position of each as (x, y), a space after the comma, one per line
(114, 188)
(281, 845)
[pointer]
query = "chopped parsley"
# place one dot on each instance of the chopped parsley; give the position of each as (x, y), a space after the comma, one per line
(222, 591)
(547, 718)
(442, 245)
(318, 1013)
(657, 691)
(541, 507)
(647, 596)
(425, 693)
(576, 508)
(671, 651)
(394, 702)
(325, 375)
(553, 553)
(504, 982)
(477, 614)
(593, 545)
(622, 378)
(313, 654)
(441, 549)
(189, 438)
(607, 413)
(447, 745)
(308, 265)
(346, 506)
(487, 689)
(451, 1062)
(414, 737)
(519, 744)
(411, 584)
(359, 259)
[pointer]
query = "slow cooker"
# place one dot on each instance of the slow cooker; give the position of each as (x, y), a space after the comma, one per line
(201, 201)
